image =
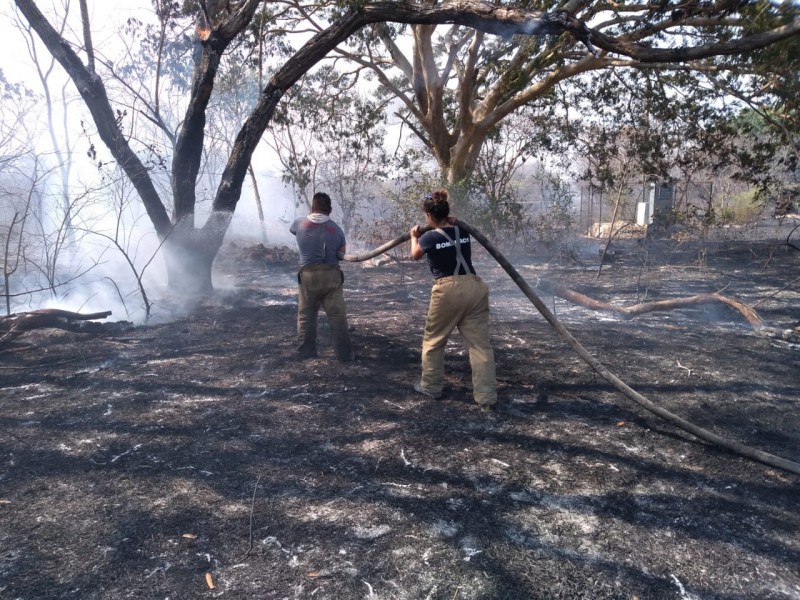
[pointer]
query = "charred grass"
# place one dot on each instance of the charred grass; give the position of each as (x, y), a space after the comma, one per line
(198, 452)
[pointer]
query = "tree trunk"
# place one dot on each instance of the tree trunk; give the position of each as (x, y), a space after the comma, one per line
(188, 269)
(189, 253)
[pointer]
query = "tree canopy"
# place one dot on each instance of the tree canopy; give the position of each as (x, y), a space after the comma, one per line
(456, 83)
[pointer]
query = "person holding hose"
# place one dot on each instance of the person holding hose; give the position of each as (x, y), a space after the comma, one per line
(459, 299)
(322, 244)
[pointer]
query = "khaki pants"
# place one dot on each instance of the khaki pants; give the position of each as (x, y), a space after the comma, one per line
(322, 285)
(460, 301)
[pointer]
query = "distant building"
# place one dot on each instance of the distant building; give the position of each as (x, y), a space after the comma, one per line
(658, 197)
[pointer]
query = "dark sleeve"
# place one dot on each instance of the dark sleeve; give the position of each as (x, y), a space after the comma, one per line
(427, 241)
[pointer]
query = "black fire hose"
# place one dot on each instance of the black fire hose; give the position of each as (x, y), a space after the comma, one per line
(703, 434)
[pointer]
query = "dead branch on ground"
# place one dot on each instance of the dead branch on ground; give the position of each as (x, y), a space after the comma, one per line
(13, 326)
(631, 312)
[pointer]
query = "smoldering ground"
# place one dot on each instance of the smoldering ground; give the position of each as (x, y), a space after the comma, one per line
(174, 457)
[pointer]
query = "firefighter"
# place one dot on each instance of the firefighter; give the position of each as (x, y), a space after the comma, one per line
(322, 244)
(459, 299)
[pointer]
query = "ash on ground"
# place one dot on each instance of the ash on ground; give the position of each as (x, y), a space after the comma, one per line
(197, 458)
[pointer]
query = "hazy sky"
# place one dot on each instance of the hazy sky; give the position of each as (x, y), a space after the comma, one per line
(107, 19)
(107, 16)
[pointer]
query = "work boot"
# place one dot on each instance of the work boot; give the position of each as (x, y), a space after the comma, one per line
(418, 388)
(304, 353)
(347, 357)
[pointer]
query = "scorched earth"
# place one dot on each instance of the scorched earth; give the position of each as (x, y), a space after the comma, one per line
(196, 457)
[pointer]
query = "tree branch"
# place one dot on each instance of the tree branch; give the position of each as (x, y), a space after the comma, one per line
(93, 92)
(631, 312)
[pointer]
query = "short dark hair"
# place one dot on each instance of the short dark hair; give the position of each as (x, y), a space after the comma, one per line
(321, 203)
(436, 204)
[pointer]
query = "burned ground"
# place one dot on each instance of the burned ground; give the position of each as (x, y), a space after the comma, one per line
(154, 462)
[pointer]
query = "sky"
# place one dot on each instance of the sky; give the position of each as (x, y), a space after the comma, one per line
(107, 15)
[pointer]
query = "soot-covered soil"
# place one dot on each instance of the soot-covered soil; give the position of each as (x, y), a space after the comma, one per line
(162, 461)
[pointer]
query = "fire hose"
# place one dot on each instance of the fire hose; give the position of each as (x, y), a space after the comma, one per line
(594, 363)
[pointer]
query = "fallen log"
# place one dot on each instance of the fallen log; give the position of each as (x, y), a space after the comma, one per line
(631, 312)
(13, 326)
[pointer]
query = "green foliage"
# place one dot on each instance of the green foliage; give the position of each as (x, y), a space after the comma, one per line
(556, 223)
(623, 124)
(404, 202)
(495, 214)
(646, 124)
(493, 200)
(744, 207)
(331, 137)
(608, 125)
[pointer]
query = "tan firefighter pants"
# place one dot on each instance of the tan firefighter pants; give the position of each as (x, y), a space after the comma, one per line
(322, 285)
(462, 302)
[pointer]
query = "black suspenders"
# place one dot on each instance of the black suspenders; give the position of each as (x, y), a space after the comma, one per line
(461, 263)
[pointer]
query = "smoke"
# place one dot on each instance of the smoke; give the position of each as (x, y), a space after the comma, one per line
(110, 257)
(278, 207)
